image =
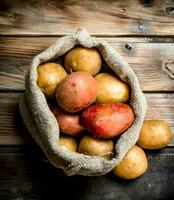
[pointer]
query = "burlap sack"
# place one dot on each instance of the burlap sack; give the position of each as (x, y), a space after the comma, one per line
(43, 126)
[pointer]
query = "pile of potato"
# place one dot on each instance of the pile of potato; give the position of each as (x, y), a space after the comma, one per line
(92, 109)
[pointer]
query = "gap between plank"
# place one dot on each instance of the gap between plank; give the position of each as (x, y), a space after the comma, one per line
(95, 35)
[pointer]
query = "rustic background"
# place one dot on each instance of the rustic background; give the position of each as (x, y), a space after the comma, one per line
(142, 31)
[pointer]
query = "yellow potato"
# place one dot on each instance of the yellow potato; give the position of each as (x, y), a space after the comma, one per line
(83, 59)
(49, 75)
(68, 143)
(133, 165)
(96, 147)
(155, 134)
(110, 89)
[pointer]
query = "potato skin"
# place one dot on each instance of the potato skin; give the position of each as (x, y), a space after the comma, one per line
(96, 147)
(133, 165)
(68, 123)
(155, 134)
(107, 120)
(68, 143)
(83, 59)
(76, 92)
(110, 89)
(49, 75)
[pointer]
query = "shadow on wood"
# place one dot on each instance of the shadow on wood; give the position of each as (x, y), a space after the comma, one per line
(25, 174)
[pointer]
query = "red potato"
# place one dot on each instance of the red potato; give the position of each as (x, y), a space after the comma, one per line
(68, 123)
(76, 92)
(107, 120)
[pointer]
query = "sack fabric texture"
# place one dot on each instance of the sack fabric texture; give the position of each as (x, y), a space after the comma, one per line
(43, 126)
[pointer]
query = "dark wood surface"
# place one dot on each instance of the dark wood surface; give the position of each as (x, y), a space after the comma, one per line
(25, 175)
(142, 31)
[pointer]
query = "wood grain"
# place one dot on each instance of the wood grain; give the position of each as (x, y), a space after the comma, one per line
(142, 31)
(12, 131)
(100, 17)
(145, 55)
(11, 122)
(24, 175)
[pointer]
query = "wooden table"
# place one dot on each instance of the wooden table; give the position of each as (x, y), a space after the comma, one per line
(142, 31)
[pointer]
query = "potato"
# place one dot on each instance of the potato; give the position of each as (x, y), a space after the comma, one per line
(111, 89)
(83, 59)
(68, 143)
(107, 120)
(96, 147)
(49, 75)
(68, 123)
(76, 92)
(133, 165)
(155, 134)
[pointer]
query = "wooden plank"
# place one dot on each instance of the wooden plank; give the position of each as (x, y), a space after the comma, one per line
(56, 17)
(145, 55)
(24, 175)
(12, 131)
